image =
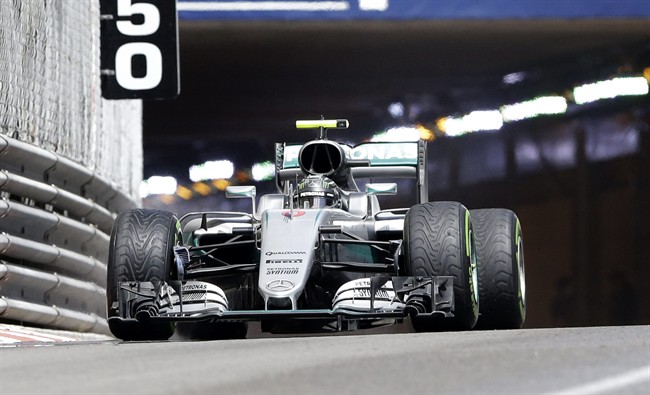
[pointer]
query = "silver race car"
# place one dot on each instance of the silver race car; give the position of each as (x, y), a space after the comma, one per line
(318, 255)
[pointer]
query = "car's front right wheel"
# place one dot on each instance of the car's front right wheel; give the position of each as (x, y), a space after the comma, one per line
(500, 254)
(439, 241)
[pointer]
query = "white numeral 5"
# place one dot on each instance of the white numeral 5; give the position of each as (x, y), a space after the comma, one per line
(150, 13)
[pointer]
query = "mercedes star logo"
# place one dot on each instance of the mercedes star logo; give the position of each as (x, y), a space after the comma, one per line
(280, 285)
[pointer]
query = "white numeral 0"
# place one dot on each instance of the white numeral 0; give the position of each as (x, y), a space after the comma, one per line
(125, 53)
(124, 72)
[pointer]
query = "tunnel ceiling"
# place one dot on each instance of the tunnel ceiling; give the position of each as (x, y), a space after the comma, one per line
(244, 83)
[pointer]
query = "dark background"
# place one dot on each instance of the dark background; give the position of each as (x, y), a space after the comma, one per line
(579, 182)
(245, 83)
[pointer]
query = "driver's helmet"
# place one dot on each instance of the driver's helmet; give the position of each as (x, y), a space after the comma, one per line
(317, 192)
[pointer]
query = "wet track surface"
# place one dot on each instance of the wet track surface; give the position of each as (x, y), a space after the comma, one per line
(568, 360)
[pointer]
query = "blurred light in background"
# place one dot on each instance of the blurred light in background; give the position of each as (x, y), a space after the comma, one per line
(534, 108)
(425, 134)
(212, 170)
(221, 184)
(514, 78)
(396, 109)
(373, 5)
(184, 193)
(221, 173)
(403, 134)
(623, 86)
(158, 185)
(243, 176)
(263, 171)
(472, 122)
(201, 188)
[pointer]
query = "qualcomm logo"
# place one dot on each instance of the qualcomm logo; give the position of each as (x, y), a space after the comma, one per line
(271, 253)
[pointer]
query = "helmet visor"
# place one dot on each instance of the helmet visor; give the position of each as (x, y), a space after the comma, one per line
(316, 199)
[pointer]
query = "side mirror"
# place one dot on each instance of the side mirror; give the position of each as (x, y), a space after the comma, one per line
(389, 188)
(245, 191)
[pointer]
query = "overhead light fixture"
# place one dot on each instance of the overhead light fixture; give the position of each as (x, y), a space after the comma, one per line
(212, 170)
(608, 89)
(514, 78)
(403, 134)
(396, 109)
(533, 108)
(158, 185)
(373, 5)
(425, 133)
(263, 171)
(399, 134)
(201, 188)
(473, 122)
(221, 184)
(184, 193)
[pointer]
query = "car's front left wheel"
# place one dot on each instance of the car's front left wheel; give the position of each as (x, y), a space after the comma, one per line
(141, 249)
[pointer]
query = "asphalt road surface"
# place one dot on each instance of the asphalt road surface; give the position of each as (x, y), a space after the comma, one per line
(608, 360)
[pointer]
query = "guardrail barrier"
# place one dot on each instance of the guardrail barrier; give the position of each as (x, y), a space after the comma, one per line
(55, 221)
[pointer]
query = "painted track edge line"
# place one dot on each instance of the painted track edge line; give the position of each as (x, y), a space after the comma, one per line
(609, 384)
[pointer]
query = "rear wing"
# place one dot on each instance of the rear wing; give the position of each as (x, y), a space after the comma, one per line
(385, 159)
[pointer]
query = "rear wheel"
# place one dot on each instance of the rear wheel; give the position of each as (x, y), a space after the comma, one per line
(141, 249)
(500, 254)
(438, 241)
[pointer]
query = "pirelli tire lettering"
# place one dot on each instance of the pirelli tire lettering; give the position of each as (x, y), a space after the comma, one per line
(284, 261)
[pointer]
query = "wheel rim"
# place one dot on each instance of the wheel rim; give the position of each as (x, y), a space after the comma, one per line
(521, 272)
(473, 265)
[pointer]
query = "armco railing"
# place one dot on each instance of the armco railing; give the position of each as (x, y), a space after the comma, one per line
(55, 221)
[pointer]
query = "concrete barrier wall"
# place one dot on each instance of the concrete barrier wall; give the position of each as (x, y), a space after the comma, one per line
(50, 89)
(69, 162)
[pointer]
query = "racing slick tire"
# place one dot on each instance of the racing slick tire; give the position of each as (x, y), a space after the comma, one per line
(500, 258)
(439, 241)
(141, 249)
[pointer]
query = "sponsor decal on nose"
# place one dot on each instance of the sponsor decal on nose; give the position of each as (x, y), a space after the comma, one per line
(271, 253)
(295, 213)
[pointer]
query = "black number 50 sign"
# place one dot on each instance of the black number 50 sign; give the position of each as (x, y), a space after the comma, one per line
(139, 49)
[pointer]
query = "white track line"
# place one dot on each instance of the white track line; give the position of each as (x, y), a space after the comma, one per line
(610, 384)
(13, 335)
(19, 334)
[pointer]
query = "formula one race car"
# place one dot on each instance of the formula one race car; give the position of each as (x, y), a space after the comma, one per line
(319, 255)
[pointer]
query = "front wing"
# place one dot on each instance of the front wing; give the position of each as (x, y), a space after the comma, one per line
(197, 301)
